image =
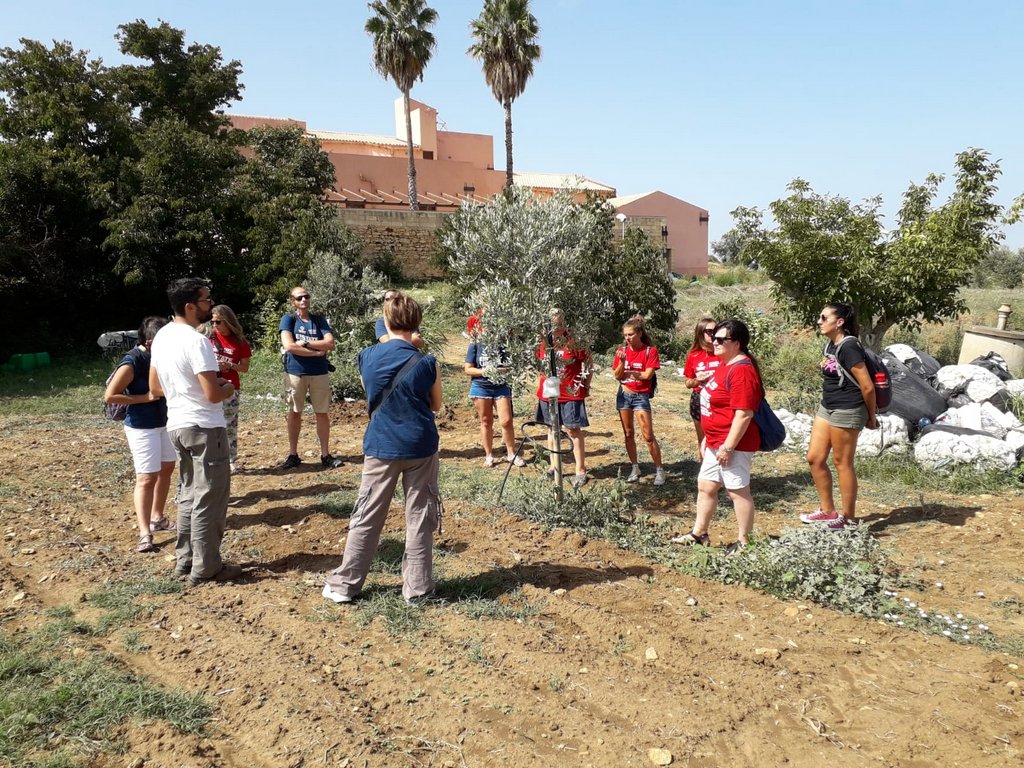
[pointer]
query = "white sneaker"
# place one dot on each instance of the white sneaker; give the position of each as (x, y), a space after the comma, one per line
(659, 476)
(336, 597)
(634, 476)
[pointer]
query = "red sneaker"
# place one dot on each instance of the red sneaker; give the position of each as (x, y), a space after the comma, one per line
(820, 516)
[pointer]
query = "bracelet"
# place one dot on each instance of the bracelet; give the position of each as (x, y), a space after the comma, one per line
(727, 450)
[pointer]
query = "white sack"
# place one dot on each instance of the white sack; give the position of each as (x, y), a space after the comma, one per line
(978, 383)
(798, 429)
(892, 436)
(942, 452)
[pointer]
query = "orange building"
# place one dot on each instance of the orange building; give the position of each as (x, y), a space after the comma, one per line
(452, 168)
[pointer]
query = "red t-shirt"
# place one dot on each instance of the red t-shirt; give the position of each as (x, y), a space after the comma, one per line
(699, 361)
(230, 351)
(573, 380)
(637, 362)
(719, 403)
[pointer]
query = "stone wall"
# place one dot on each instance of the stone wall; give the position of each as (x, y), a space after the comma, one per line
(411, 235)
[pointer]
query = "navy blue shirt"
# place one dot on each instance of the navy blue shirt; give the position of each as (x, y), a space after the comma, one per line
(142, 415)
(313, 329)
(480, 356)
(403, 427)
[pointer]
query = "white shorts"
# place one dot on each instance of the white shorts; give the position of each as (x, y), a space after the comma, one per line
(734, 477)
(150, 448)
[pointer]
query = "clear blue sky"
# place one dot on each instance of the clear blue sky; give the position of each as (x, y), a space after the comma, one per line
(719, 103)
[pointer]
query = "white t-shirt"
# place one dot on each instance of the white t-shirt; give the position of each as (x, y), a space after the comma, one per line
(179, 354)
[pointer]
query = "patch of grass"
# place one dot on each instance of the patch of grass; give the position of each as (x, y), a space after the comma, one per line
(400, 618)
(337, 504)
(69, 386)
(84, 702)
(118, 599)
(323, 613)
(513, 606)
(389, 556)
(904, 472)
(133, 642)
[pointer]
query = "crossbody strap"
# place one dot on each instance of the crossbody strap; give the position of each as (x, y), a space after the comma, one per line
(402, 372)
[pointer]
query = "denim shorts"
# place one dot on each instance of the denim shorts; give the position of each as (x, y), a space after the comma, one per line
(632, 401)
(844, 418)
(488, 391)
(573, 413)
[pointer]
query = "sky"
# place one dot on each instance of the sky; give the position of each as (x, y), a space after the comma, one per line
(718, 103)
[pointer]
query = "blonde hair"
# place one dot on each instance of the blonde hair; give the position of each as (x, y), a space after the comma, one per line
(228, 318)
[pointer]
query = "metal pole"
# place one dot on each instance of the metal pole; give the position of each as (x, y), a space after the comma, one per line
(556, 420)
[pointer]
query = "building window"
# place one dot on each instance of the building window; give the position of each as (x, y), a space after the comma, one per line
(428, 154)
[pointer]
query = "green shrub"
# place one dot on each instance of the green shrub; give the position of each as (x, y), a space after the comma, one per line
(763, 342)
(794, 366)
(591, 513)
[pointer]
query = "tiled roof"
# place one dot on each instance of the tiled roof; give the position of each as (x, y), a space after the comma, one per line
(558, 181)
(358, 138)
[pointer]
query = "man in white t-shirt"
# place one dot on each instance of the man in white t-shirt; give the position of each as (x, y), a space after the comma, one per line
(184, 369)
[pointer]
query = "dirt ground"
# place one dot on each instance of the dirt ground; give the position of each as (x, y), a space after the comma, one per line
(622, 657)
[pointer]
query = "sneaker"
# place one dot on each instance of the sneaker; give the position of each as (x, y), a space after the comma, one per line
(634, 476)
(489, 461)
(580, 480)
(163, 524)
(291, 462)
(333, 596)
(516, 461)
(329, 462)
(821, 516)
(659, 476)
(228, 573)
(842, 524)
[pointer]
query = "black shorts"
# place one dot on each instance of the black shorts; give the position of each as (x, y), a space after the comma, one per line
(695, 405)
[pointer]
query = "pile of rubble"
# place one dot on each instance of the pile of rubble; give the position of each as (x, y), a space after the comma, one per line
(947, 415)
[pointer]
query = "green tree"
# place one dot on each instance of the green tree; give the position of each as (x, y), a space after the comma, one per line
(402, 46)
(1003, 268)
(732, 247)
(279, 191)
(505, 36)
(826, 248)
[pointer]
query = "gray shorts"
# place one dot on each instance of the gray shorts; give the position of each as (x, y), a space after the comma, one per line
(844, 418)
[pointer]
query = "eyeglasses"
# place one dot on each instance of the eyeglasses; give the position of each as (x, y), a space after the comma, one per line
(709, 331)
(208, 300)
(722, 339)
(216, 322)
(301, 297)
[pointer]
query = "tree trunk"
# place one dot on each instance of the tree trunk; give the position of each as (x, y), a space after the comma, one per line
(414, 201)
(508, 144)
(871, 337)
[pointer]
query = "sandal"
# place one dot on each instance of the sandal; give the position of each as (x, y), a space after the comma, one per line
(489, 462)
(735, 548)
(691, 538)
(163, 524)
(517, 461)
(145, 543)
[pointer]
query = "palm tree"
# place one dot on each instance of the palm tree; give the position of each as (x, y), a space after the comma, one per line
(402, 46)
(506, 44)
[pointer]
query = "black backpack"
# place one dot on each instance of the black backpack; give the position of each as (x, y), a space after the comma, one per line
(118, 411)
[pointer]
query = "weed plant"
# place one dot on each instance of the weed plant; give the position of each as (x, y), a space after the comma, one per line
(902, 471)
(46, 700)
(588, 512)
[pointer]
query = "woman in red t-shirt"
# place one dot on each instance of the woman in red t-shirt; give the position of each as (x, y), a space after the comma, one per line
(233, 353)
(699, 366)
(727, 405)
(634, 367)
(574, 363)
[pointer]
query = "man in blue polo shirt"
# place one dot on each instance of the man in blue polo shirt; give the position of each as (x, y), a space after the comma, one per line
(306, 340)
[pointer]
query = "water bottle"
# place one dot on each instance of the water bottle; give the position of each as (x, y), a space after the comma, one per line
(924, 422)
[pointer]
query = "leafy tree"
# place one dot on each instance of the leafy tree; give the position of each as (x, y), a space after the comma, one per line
(826, 248)
(732, 248)
(192, 84)
(518, 257)
(1002, 267)
(279, 192)
(505, 36)
(402, 46)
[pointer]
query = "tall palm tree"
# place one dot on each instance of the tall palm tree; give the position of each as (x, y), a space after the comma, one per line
(402, 46)
(505, 37)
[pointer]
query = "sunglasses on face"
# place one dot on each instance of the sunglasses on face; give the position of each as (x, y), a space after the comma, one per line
(709, 331)
(721, 339)
(215, 322)
(301, 297)
(825, 318)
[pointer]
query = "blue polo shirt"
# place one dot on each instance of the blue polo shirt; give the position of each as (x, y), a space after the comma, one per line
(403, 427)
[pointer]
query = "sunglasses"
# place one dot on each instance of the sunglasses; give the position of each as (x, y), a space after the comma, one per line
(722, 339)
(709, 331)
(301, 297)
(216, 322)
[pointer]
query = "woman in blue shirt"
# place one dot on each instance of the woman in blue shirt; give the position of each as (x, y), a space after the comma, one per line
(145, 427)
(489, 396)
(403, 390)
